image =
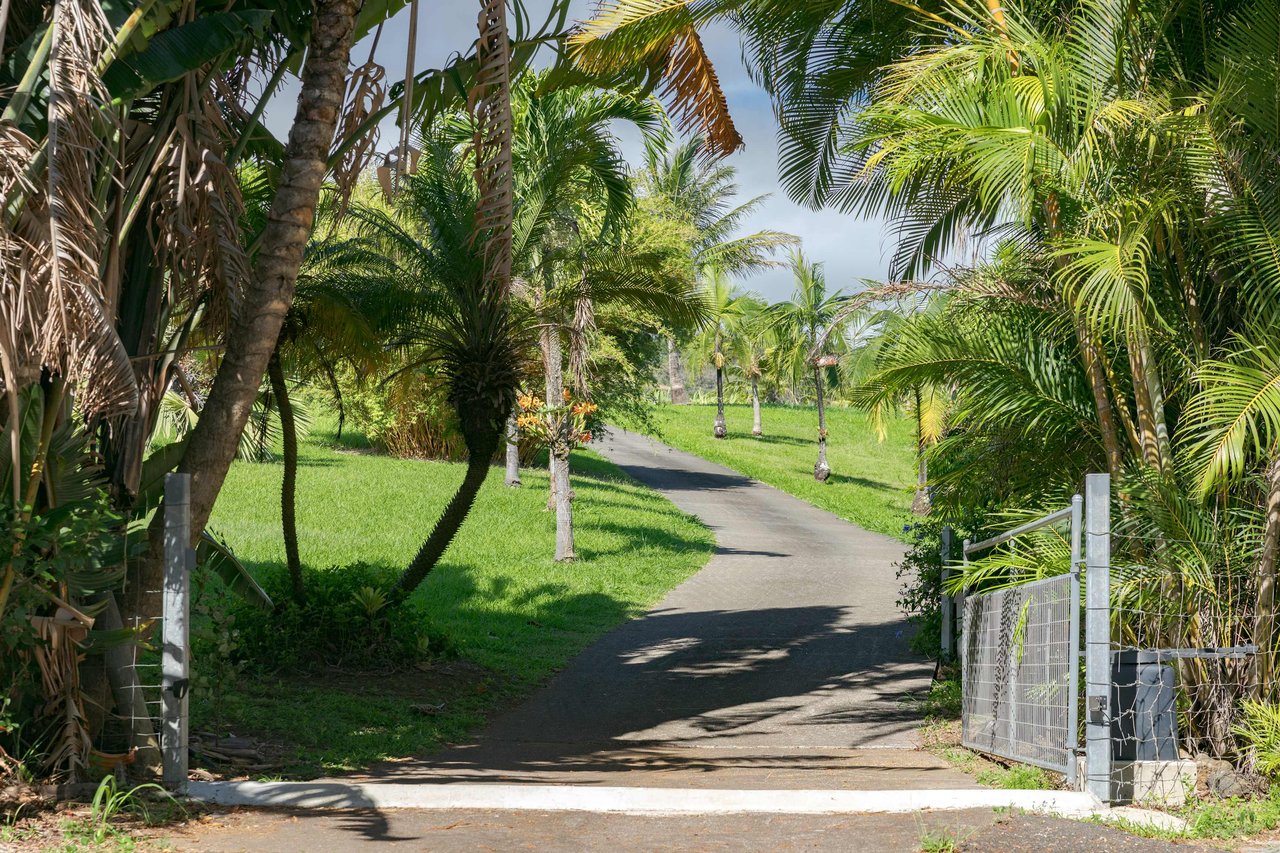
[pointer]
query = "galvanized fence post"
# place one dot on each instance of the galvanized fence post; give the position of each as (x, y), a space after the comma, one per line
(1097, 635)
(1073, 648)
(175, 663)
(948, 606)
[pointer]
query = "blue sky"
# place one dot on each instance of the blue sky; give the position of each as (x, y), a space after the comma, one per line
(852, 249)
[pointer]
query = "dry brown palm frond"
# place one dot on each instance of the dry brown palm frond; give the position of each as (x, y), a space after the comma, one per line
(77, 338)
(584, 325)
(661, 35)
(490, 107)
(366, 93)
(197, 212)
(58, 654)
(693, 89)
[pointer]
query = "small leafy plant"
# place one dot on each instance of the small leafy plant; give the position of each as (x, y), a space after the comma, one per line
(1259, 731)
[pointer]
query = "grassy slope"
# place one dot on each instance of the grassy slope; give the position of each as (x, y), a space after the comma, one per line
(498, 594)
(871, 482)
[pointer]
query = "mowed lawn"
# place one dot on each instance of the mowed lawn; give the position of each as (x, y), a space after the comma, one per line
(512, 612)
(871, 483)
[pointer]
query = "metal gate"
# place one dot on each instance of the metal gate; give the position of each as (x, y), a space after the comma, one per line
(1020, 660)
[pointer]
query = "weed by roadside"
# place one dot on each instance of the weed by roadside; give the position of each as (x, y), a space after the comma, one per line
(117, 820)
(939, 842)
(1219, 820)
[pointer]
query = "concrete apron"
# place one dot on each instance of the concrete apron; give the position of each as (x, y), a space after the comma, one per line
(650, 801)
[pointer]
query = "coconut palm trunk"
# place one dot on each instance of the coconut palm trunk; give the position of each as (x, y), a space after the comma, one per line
(513, 452)
(255, 327)
(756, 428)
(289, 482)
(675, 375)
(719, 430)
(821, 470)
(558, 452)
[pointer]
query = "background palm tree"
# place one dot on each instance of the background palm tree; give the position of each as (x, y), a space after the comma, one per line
(699, 196)
(729, 309)
(753, 348)
(799, 324)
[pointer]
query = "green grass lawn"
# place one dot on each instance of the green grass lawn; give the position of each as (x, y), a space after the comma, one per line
(514, 614)
(871, 481)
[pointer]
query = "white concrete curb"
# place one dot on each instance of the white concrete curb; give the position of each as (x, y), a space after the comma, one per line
(378, 795)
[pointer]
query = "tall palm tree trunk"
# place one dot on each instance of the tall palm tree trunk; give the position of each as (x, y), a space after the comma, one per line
(1265, 611)
(269, 291)
(513, 452)
(480, 450)
(719, 430)
(1091, 356)
(920, 505)
(756, 428)
(558, 452)
(675, 376)
(289, 482)
(821, 470)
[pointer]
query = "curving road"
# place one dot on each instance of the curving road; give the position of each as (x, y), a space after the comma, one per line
(782, 663)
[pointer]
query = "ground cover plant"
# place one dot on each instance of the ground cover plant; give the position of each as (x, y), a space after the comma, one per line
(498, 616)
(871, 483)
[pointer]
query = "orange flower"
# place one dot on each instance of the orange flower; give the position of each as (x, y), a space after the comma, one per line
(567, 395)
(585, 437)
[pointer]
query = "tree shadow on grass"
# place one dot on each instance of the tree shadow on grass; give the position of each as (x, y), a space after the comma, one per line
(878, 485)
(785, 439)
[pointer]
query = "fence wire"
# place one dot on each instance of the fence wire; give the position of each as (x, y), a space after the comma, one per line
(1016, 665)
(1184, 661)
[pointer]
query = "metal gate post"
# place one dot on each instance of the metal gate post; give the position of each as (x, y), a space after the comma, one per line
(1073, 647)
(175, 664)
(1097, 635)
(948, 606)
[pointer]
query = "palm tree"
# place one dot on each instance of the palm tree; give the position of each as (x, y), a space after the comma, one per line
(575, 194)
(729, 309)
(753, 346)
(801, 323)
(452, 323)
(699, 196)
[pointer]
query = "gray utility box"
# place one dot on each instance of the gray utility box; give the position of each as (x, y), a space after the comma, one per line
(1144, 719)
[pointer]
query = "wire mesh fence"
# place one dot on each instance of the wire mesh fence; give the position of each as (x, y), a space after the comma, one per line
(1017, 674)
(1171, 664)
(146, 729)
(1183, 664)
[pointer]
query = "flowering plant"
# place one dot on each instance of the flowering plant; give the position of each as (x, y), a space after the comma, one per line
(565, 425)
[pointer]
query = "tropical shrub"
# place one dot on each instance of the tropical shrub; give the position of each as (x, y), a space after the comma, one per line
(348, 619)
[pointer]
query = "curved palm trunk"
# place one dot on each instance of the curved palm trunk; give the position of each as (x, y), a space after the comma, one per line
(756, 428)
(479, 456)
(337, 394)
(513, 452)
(561, 496)
(289, 482)
(269, 291)
(719, 430)
(821, 470)
(675, 376)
